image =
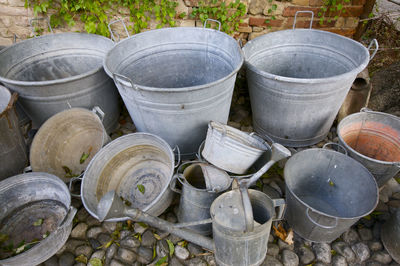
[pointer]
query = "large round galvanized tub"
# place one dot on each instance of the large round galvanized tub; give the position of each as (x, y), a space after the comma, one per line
(138, 166)
(373, 139)
(13, 152)
(326, 193)
(35, 208)
(175, 80)
(298, 79)
(54, 72)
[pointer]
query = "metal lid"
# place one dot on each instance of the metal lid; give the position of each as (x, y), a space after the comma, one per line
(233, 210)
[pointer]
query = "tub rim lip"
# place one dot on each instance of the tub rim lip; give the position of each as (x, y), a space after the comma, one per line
(268, 75)
(177, 89)
(347, 147)
(9, 100)
(321, 212)
(54, 81)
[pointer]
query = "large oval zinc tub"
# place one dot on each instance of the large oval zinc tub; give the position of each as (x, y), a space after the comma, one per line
(298, 79)
(175, 80)
(55, 72)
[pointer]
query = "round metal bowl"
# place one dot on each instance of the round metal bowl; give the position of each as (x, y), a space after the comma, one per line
(138, 166)
(34, 207)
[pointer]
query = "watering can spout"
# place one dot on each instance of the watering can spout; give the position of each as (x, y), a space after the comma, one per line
(111, 206)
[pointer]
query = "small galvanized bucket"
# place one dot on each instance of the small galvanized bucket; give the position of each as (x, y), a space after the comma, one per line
(201, 185)
(231, 149)
(373, 139)
(326, 193)
(34, 208)
(390, 235)
(138, 166)
(13, 156)
(66, 142)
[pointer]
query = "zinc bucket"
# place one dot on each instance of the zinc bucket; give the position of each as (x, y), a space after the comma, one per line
(173, 81)
(326, 193)
(298, 79)
(373, 139)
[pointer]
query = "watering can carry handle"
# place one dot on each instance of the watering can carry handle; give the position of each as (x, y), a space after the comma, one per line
(198, 155)
(374, 41)
(279, 204)
(112, 33)
(304, 11)
(320, 225)
(179, 155)
(340, 147)
(179, 170)
(38, 19)
(247, 209)
(172, 184)
(97, 110)
(216, 21)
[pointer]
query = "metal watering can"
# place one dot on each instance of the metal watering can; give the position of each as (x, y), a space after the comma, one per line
(241, 219)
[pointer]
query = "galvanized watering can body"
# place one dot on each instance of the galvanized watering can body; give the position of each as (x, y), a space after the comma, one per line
(26, 198)
(175, 80)
(373, 139)
(55, 72)
(298, 80)
(326, 193)
(13, 152)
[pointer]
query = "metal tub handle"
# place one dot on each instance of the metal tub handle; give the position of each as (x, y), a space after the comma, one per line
(71, 181)
(339, 148)
(38, 19)
(112, 33)
(172, 184)
(279, 204)
(320, 225)
(216, 21)
(304, 11)
(97, 110)
(374, 41)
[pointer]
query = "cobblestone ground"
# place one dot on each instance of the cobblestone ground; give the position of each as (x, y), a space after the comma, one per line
(130, 243)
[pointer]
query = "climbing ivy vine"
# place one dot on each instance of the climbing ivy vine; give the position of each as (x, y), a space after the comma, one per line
(97, 14)
(228, 14)
(330, 7)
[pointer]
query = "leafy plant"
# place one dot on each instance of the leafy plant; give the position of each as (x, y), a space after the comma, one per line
(228, 14)
(331, 8)
(97, 14)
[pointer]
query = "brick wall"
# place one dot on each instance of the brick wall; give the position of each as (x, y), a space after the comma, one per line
(14, 18)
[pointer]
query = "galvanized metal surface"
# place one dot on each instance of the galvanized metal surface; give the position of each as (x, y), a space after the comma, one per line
(326, 193)
(373, 139)
(231, 149)
(63, 139)
(26, 198)
(54, 72)
(138, 166)
(298, 80)
(390, 236)
(13, 151)
(175, 80)
(232, 247)
(196, 193)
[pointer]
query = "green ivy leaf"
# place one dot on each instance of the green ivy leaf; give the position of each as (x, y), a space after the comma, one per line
(38, 222)
(274, 7)
(161, 261)
(141, 188)
(171, 247)
(95, 262)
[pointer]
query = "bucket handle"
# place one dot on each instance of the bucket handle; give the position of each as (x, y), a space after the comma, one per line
(304, 11)
(320, 225)
(279, 204)
(374, 41)
(179, 155)
(172, 184)
(216, 21)
(71, 181)
(367, 110)
(339, 148)
(112, 33)
(38, 19)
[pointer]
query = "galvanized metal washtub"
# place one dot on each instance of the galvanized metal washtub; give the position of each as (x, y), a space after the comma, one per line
(13, 152)
(35, 206)
(231, 149)
(373, 139)
(390, 236)
(241, 222)
(54, 72)
(298, 80)
(326, 193)
(201, 184)
(175, 80)
(138, 166)
(66, 143)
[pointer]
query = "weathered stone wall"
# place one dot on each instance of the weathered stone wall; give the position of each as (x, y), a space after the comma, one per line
(14, 18)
